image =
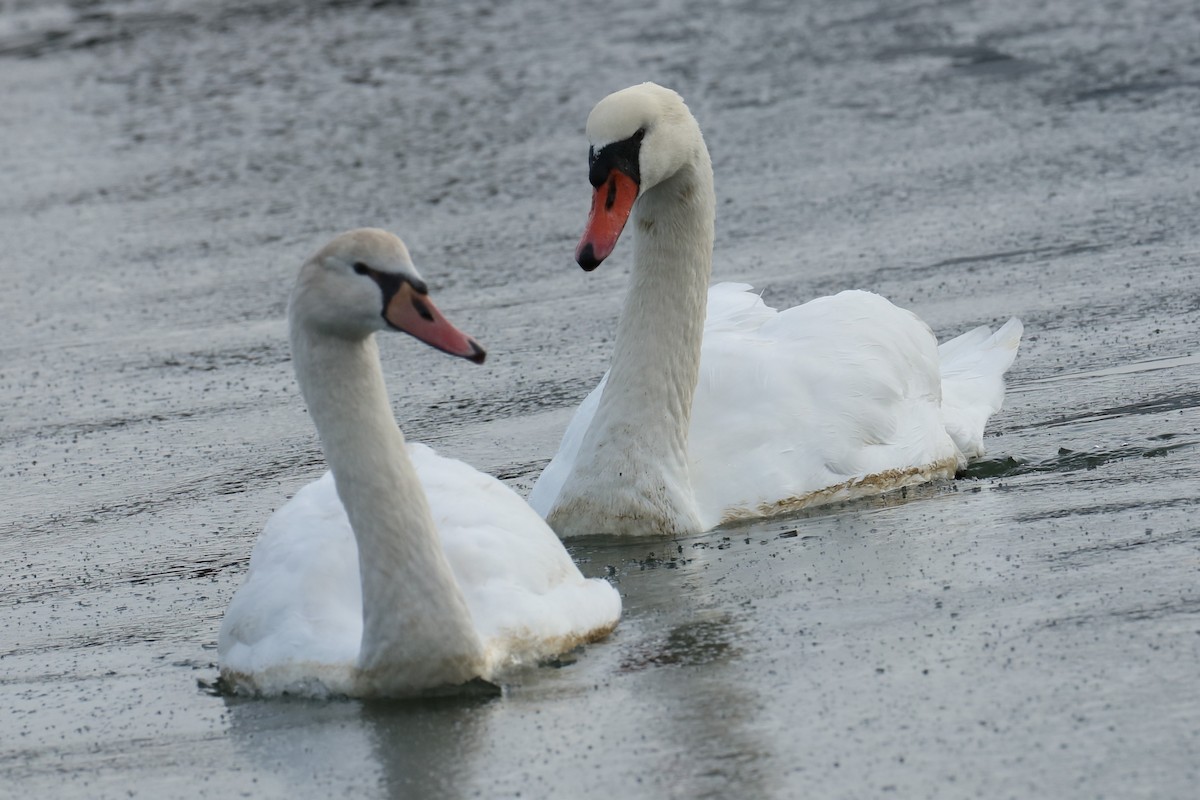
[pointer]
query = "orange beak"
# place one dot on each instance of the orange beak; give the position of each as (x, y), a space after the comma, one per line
(611, 204)
(415, 314)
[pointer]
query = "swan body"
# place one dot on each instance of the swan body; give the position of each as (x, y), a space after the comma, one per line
(718, 407)
(399, 571)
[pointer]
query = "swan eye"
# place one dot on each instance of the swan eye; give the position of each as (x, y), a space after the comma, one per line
(361, 268)
(639, 135)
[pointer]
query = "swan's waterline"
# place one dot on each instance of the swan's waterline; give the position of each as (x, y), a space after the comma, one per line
(857, 488)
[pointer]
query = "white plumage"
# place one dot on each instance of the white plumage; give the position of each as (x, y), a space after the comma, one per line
(296, 623)
(718, 407)
(446, 575)
(805, 405)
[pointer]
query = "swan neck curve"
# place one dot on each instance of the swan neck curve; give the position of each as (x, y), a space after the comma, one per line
(632, 475)
(417, 629)
(662, 323)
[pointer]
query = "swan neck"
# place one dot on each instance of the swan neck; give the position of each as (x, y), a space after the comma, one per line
(631, 472)
(412, 606)
(662, 324)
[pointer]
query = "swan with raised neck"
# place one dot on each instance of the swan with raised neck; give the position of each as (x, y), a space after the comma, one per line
(285, 632)
(648, 163)
(840, 397)
(417, 631)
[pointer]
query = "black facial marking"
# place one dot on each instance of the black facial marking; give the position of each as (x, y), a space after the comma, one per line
(390, 283)
(622, 156)
(422, 309)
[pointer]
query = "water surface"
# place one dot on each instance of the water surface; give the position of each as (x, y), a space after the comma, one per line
(1032, 629)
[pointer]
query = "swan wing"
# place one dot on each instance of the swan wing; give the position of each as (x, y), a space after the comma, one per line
(527, 598)
(298, 615)
(299, 611)
(843, 395)
(820, 395)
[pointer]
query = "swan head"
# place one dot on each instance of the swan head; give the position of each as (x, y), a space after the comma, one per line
(640, 137)
(364, 281)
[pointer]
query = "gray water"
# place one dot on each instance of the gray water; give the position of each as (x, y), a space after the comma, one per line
(1030, 630)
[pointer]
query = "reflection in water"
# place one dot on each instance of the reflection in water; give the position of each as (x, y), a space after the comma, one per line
(427, 748)
(687, 693)
(707, 742)
(671, 697)
(692, 643)
(412, 748)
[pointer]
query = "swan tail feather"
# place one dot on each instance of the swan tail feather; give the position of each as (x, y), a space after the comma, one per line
(972, 369)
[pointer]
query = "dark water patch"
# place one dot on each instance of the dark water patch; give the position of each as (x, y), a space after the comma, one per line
(1053, 251)
(668, 557)
(1148, 365)
(1066, 460)
(96, 27)
(889, 13)
(1109, 508)
(693, 643)
(212, 360)
(618, 554)
(974, 59)
(939, 271)
(86, 427)
(33, 587)
(1133, 89)
(512, 472)
(34, 43)
(189, 570)
(144, 631)
(1158, 404)
(92, 29)
(50, 678)
(987, 468)
(235, 480)
(541, 396)
(1170, 608)
(1103, 553)
(986, 62)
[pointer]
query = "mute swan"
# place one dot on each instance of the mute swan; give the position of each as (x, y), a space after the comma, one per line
(750, 412)
(426, 573)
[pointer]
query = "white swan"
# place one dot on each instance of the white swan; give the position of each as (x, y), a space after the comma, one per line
(749, 412)
(426, 573)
